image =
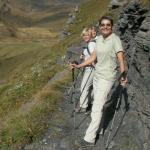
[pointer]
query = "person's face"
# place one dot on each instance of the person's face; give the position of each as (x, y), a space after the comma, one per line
(93, 32)
(105, 27)
(86, 37)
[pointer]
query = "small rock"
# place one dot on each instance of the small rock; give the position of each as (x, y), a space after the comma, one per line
(58, 129)
(112, 144)
(44, 140)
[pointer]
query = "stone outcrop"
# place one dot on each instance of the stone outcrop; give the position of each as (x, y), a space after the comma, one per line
(117, 3)
(134, 29)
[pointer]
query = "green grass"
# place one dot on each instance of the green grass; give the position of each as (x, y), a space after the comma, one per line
(146, 3)
(19, 127)
(34, 64)
(23, 53)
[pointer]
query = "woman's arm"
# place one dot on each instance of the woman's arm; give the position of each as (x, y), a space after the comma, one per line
(121, 59)
(91, 59)
(120, 56)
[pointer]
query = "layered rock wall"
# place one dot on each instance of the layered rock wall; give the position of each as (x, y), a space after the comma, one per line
(134, 29)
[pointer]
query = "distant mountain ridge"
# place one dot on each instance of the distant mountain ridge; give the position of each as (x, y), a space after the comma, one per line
(49, 14)
(32, 4)
(41, 4)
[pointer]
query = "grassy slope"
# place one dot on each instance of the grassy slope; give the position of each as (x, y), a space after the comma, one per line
(40, 17)
(25, 67)
(18, 93)
(146, 3)
(13, 53)
(37, 31)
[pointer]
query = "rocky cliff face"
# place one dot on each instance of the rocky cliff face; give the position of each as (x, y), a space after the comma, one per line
(134, 30)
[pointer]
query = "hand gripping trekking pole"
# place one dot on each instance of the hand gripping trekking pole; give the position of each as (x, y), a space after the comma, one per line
(74, 81)
(72, 96)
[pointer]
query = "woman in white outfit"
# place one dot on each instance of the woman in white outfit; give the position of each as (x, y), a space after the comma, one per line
(108, 52)
(87, 81)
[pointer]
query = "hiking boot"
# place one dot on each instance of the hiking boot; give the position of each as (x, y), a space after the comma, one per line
(80, 110)
(84, 144)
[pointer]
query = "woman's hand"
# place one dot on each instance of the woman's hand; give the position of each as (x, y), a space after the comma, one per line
(85, 63)
(73, 65)
(81, 57)
(124, 81)
(93, 64)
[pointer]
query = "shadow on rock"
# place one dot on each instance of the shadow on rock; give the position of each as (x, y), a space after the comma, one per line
(118, 97)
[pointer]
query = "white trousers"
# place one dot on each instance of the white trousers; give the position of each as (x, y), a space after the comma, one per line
(86, 85)
(101, 89)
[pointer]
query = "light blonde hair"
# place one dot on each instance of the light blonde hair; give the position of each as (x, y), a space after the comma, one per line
(85, 31)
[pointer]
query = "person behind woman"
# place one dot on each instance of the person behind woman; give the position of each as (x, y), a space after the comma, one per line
(87, 80)
(108, 52)
(94, 33)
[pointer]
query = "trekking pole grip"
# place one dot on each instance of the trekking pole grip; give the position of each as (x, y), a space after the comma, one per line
(122, 75)
(72, 74)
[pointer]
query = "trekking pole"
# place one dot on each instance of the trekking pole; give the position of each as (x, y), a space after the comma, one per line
(73, 88)
(82, 92)
(123, 74)
(114, 117)
(73, 85)
(74, 80)
(74, 103)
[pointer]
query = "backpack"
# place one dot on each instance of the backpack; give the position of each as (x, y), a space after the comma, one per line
(87, 48)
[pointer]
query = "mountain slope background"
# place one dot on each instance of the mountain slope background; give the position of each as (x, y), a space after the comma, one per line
(30, 25)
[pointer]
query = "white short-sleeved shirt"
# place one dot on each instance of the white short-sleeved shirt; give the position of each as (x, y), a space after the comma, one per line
(91, 46)
(106, 50)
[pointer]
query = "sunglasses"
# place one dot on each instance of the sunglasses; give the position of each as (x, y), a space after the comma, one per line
(107, 25)
(85, 35)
